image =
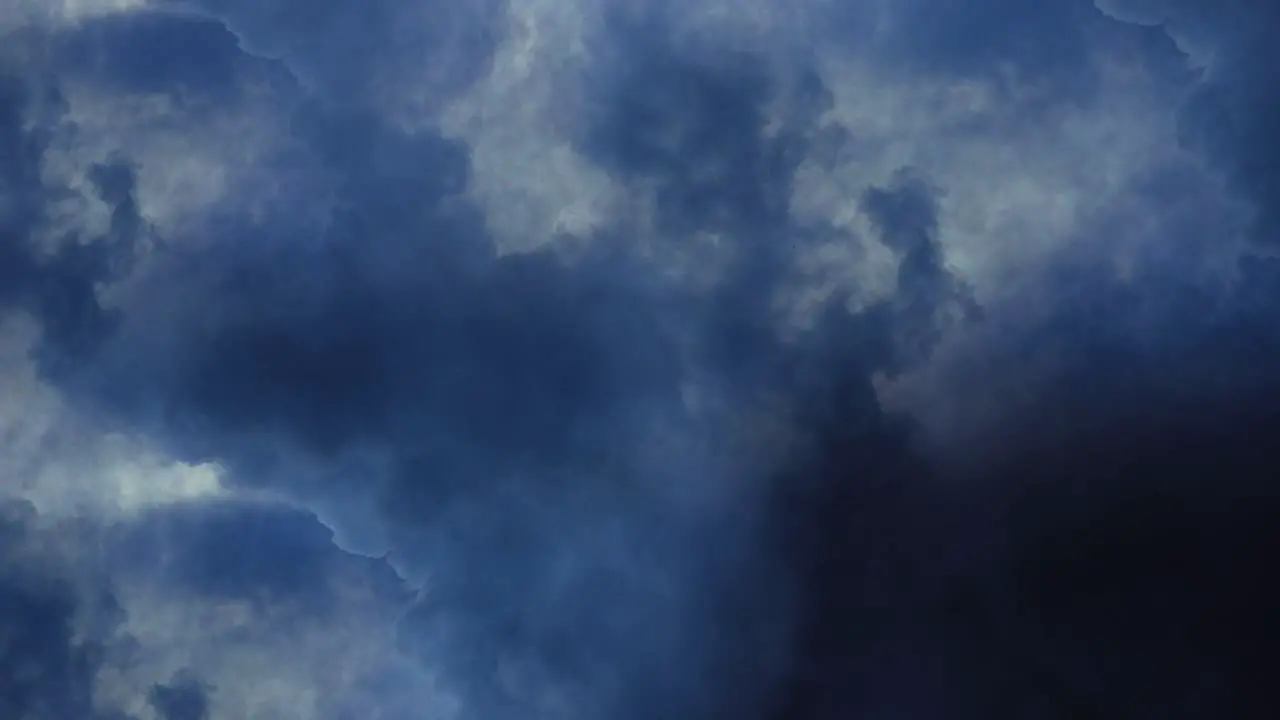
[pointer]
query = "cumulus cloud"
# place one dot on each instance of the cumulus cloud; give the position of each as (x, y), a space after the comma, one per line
(628, 359)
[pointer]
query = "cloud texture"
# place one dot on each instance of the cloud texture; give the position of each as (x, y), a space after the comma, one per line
(611, 359)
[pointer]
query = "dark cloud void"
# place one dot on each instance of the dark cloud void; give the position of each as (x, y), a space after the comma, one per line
(608, 493)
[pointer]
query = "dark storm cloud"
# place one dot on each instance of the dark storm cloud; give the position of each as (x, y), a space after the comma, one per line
(121, 51)
(1231, 116)
(928, 296)
(1134, 493)
(694, 127)
(57, 285)
(506, 409)
(56, 629)
(277, 571)
(1038, 42)
(1097, 552)
(1038, 56)
(204, 549)
(62, 625)
(498, 389)
(52, 638)
(511, 399)
(1231, 121)
(393, 320)
(690, 128)
(1129, 501)
(184, 697)
(366, 53)
(1132, 477)
(78, 599)
(39, 663)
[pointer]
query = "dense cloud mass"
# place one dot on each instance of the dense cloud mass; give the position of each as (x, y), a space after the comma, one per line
(637, 359)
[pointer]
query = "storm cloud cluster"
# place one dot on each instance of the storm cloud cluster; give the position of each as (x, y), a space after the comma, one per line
(609, 359)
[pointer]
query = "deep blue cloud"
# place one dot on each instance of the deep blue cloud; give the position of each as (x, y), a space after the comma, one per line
(54, 639)
(121, 52)
(357, 52)
(500, 390)
(182, 698)
(1229, 117)
(695, 126)
(1041, 42)
(58, 287)
(516, 429)
(201, 550)
(67, 634)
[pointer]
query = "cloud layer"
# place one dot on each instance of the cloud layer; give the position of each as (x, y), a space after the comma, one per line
(606, 359)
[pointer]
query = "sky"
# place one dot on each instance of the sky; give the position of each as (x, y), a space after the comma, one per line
(638, 359)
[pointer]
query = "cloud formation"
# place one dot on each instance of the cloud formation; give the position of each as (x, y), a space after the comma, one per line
(636, 359)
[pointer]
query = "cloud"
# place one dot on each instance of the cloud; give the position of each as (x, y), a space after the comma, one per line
(522, 412)
(163, 616)
(1224, 118)
(51, 273)
(607, 359)
(24, 14)
(59, 625)
(183, 698)
(214, 625)
(403, 58)
(73, 233)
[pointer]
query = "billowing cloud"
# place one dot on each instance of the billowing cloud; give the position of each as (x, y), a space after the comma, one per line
(633, 359)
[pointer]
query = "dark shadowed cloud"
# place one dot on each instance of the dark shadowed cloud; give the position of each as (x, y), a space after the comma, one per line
(606, 359)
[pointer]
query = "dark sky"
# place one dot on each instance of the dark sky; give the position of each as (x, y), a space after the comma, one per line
(612, 359)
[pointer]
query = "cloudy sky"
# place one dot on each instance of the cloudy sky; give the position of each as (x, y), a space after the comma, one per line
(638, 359)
